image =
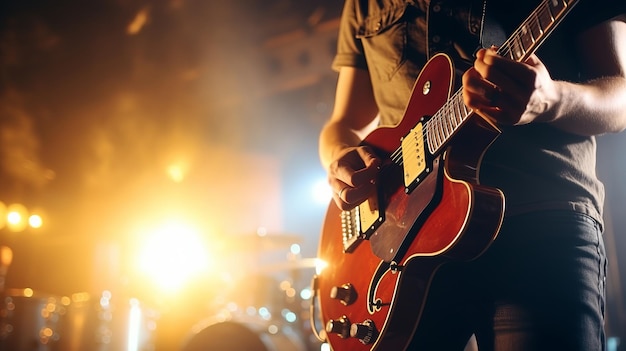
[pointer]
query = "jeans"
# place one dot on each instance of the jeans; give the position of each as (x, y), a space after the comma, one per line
(540, 286)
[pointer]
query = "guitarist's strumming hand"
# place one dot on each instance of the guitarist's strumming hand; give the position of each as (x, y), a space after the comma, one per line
(510, 92)
(352, 176)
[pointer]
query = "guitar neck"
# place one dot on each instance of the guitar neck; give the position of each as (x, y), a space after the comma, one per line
(535, 29)
(519, 46)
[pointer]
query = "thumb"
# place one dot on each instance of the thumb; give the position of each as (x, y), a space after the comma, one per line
(369, 157)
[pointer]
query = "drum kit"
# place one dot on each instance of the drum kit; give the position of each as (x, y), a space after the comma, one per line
(33, 321)
(270, 318)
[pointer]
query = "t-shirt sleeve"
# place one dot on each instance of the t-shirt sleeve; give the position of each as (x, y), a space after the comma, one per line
(349, 48)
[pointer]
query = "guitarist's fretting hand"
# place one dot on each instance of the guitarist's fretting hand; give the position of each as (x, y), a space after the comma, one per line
(352, 176)
(510, 92)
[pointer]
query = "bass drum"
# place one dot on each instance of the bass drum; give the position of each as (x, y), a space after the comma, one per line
(244, 336)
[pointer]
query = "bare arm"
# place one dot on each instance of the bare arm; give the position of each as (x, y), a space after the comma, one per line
(354, 109)
(352, 169)
(526, 93)
(600, 105)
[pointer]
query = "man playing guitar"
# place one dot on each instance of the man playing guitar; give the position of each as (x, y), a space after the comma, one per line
(541, 284)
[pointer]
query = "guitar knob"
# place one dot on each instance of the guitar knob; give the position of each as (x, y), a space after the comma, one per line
(340, 327)
(366, 332)
(345, 294)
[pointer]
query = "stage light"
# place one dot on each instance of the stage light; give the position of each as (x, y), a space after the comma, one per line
(306, 294)
(134, 326)
(295, 249)
(290, 317)
(273, 329)
(320, 265)
(35, 221)
(321, 191)
(172, 254)
(265, 313)
(176, 173)
(16, 218)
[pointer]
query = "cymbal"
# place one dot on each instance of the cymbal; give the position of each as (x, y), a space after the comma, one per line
(255, 242)
(302, 263)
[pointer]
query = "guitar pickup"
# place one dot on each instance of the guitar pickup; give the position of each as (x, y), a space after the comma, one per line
(413, 157)
(360, 223)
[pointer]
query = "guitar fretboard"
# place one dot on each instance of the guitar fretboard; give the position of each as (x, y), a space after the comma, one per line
(519, 46)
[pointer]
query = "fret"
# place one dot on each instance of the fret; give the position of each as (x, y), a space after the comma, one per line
(517, 52)
(450, 119)
(441, 125)
(437, 135)
(545, 19)
(526, 36)
(444, 125)
(454, 113)
(464, 112)
(442, 130)
(451, 116)
(535, 27)
(441, 138)
(458, 117)
(507, 52)
(461, 108)
(556, 7)
(433, 141)
(431, 138)
(448, 127)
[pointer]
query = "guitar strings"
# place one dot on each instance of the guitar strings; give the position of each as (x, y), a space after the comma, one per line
(441, 126)
(438, 126)
(533, 19)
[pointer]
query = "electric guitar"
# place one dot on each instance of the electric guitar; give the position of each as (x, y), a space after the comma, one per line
(430, 208)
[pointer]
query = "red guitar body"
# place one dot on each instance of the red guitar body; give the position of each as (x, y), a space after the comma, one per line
(372, 295)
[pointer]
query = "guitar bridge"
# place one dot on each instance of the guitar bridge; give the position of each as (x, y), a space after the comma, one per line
(360, 223)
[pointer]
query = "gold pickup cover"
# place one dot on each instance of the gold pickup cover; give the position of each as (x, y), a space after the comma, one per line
(413, 155)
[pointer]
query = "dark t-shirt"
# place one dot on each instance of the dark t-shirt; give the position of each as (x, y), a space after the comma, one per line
(537, 166)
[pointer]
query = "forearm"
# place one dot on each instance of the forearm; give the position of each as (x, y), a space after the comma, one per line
(335, 137)
(355, 110)
(593, 108)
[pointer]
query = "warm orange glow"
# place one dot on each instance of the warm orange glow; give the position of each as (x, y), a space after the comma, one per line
(3, 214)
(14, 217)
(285, 285)
(172, 254)
(138, 22)
(176, 173)
(80, 297)
(17, 216)
(6, 256)
(320, 265)
(35, 221)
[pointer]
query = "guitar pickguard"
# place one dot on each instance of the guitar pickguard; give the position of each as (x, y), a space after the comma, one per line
(404, 212)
